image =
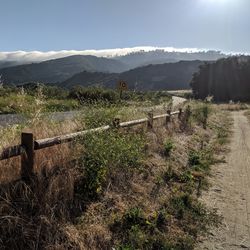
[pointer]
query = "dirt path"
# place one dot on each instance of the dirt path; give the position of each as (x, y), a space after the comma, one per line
(177, 100)
(230, 192)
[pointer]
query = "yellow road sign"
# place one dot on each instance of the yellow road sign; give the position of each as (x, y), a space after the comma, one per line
(123, 85)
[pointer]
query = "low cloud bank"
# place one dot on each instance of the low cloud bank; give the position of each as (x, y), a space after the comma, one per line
(38, 56)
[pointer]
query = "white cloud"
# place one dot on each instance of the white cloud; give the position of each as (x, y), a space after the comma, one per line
(37, 56)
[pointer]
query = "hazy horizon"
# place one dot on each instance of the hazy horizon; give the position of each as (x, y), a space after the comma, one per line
(37, 56)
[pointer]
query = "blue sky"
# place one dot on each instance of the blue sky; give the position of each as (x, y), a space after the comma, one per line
(46, 25)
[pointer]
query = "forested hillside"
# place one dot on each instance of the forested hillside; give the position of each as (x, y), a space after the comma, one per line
(166, 76)
(160, 56)
(58, 70)
(5, 64)
(226, 79)
(16, 70)
(87, 79)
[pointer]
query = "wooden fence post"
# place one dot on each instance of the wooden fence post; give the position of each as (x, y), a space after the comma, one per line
(27, 157)
(188, 113)
(116, 123)
(150, 120)
(168, 117)
(180, 113)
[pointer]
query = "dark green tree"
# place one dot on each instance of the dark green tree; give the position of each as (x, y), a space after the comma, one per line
(226, 79)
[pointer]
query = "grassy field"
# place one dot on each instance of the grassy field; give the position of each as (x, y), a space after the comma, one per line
(53, 99)
(123, 189)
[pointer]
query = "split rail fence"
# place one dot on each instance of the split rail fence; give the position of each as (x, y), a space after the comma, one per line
(29, 145)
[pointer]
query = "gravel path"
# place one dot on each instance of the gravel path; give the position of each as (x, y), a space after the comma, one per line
(230, 192)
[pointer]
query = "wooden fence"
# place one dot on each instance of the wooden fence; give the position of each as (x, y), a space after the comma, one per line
(29, 145)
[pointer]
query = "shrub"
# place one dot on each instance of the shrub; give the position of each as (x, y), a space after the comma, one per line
(194, 158)
(201, 160)
(105, 151)
(55, 105)
(186, 177)
(168, 147)
(17, 103)
(100, 114)
(93, 94)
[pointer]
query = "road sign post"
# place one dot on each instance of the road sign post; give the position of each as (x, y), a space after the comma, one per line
(122, 86)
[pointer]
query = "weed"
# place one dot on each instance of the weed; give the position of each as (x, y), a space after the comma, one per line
(201, 160)
(194, 158)
(171, 175)
(168, 147)
(193, 216)
(186, 176)
(136, 231)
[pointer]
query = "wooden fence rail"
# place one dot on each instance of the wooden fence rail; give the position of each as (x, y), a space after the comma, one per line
(28, 145)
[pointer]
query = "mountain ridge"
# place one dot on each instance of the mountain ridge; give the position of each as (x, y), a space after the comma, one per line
(168, 76)
(57, 70)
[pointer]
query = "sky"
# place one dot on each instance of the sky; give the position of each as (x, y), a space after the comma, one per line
(54, 25)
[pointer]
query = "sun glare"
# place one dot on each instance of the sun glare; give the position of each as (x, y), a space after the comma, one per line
(215, 1)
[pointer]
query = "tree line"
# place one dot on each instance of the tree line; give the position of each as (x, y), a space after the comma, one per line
(226, 79)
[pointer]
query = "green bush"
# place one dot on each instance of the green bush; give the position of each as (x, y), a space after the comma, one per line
(93, 95)
(107, 151)
(194, 158)
(54, 92)
(33, 98)
(168, 147)
(17, 103)
(201, 160)
(6, 91)
(100, 114)
(55, 105)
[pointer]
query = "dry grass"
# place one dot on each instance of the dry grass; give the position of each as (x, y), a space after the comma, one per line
(234, 106)
(43, 127)
(35, 216)
(145, 187)
(61, 154)
(51, 214)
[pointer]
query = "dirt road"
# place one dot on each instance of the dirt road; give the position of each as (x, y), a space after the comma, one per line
(230, 192)
(177, 100)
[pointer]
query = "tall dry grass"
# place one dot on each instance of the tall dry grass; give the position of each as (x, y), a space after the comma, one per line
(145, 199)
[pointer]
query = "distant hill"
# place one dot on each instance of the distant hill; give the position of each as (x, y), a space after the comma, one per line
(5, 64)
(225, 80)
(157, 69)
(160, 56)
(168, 76)
(87, 79)
(54, 71)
